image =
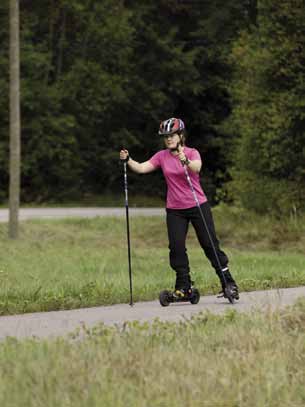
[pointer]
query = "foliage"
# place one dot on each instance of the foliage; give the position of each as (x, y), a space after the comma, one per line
(97, 76)
(269, 109)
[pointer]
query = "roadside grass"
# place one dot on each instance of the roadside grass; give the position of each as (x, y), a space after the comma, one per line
(73, 263)
(231, 360)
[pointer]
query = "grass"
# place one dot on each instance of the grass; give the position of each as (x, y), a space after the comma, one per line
(230, 360)
(72, 263)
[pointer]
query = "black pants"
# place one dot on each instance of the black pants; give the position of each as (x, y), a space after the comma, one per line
(177, 226)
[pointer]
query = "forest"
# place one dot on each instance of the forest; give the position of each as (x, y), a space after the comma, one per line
(99, 75)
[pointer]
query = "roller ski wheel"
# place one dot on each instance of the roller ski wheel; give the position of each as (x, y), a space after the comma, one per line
(195, 296)
(192, 295)
(164, 298)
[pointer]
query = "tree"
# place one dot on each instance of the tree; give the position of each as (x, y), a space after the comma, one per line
(182, 69)
(269, 109)
(14, 190)
(97, 76)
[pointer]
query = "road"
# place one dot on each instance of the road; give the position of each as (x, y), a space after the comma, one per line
(59, 213)
(61, 323)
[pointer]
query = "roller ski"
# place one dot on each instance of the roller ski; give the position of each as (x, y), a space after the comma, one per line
(191, 295)
(228, 285)
(230, 292)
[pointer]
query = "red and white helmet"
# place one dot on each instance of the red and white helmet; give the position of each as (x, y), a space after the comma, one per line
(171, 126)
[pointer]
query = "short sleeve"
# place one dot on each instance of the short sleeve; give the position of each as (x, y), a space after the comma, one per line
(194, 155)
(156, 159)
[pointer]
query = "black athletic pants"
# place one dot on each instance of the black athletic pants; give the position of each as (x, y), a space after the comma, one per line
(177, 226)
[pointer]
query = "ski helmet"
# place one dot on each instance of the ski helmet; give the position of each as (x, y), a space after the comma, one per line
(171, 126)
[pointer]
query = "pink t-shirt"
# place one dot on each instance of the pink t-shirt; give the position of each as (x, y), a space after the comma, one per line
(179, 194)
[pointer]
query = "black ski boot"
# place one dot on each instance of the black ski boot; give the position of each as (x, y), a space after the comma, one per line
(191, 295)
(229, 286)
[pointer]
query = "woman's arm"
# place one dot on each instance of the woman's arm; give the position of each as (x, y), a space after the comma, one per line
(140, 168)
(194, 165)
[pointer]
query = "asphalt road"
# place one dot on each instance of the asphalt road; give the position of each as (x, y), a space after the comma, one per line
(61, 323)
(59, 213)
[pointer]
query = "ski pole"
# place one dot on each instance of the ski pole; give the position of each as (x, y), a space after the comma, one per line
(204, 222)
(128, 231)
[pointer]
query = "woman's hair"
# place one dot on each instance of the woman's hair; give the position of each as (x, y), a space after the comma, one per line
(182, 135)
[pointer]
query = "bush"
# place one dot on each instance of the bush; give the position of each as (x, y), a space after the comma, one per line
(267, 195)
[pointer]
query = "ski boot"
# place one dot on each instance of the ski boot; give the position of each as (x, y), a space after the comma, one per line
(229, 287)
(191, 295)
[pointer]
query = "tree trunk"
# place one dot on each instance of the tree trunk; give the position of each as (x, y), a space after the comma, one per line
(14, 187)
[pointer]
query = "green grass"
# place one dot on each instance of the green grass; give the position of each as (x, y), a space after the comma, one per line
(73, 263)
(230, 360)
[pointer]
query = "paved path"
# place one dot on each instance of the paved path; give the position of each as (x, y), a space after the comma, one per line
(60, 323)
(58, 213)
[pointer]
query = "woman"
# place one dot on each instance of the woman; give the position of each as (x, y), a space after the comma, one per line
(181, 208)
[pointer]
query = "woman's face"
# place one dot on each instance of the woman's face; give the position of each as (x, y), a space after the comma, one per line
(171, 141)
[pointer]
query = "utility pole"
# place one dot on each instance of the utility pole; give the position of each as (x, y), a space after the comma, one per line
(14, 186)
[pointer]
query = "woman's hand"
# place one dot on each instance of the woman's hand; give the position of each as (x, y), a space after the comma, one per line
(124, 155)
(140, 168)
(182, 157)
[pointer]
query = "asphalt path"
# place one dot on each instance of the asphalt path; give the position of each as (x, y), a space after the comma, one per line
(60, 213)
(62, 323)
